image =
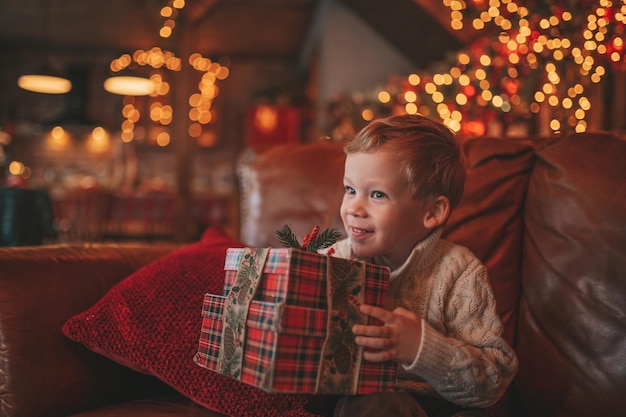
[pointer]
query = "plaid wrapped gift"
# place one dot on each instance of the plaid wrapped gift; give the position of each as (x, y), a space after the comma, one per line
(297, 334)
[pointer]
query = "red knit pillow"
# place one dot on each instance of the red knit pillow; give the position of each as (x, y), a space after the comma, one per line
(151, 321)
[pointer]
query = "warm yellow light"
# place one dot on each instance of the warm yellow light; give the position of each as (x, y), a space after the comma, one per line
(128, 126)
(384, 96)
(548, 88)
(554, 77)
(127, 137)
(553, 101)
(16, 168)
(166, 11)
(165, 32)
(567, 103)
(410, 96)
(46, 84)
(129, 85)
(584, 103)
(539, 97)
(414, 79)
(205, 117)
(443, 110)
(57, 132)
(266, 118)
(163, 139)
(222, 73)
(98, 133)
(555, 125)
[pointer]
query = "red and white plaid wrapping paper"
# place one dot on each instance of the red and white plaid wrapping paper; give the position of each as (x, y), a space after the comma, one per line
(286, 324)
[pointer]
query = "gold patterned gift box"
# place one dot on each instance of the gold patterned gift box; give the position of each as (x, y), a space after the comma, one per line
(284, 321)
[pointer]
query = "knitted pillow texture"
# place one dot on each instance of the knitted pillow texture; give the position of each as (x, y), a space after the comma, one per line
(151, 320)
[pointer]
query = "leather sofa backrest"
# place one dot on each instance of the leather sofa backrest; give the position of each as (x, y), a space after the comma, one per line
(489, 218)
(297, 185)
(572, 327)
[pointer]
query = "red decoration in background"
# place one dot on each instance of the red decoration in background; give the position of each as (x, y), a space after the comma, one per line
(269, 125)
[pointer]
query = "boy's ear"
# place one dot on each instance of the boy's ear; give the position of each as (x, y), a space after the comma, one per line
(437, 213)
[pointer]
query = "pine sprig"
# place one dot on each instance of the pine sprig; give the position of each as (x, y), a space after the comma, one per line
(287, 238)
(312, 242)
(324, 240)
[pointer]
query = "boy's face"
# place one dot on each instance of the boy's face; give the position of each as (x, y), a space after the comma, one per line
(381, 217)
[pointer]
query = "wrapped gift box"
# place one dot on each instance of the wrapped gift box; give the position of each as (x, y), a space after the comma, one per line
(295, 329)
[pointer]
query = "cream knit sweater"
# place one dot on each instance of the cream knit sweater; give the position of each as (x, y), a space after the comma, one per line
(462, 356)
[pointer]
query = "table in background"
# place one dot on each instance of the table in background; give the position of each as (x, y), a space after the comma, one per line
(97, 215)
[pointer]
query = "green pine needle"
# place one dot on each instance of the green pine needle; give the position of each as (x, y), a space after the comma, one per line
(323, 240)
(287, 238)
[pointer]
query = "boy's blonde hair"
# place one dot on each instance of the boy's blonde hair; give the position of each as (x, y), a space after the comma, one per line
(428, 152)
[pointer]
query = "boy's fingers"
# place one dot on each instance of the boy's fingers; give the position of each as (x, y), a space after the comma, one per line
(377, 312)
(371, 331)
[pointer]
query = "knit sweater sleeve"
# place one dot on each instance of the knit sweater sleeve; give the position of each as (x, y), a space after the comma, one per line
(465, 359)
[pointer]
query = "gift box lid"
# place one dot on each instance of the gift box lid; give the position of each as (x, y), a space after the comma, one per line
(297, 277)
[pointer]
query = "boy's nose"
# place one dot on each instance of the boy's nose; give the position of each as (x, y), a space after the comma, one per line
(355, 208)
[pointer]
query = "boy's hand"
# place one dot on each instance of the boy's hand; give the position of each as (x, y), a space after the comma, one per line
(397, 340)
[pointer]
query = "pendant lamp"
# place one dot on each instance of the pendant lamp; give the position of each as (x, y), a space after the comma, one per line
(45, 80)
(129, 85)
(44, 83)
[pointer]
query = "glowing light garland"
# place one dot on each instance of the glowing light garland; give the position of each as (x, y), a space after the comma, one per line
(200, 101)
(543, 60)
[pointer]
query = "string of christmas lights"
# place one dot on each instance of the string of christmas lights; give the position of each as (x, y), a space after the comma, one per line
(160, 111)
(540, 58)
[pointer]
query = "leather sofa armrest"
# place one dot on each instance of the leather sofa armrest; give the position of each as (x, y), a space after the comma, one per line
(42, 372)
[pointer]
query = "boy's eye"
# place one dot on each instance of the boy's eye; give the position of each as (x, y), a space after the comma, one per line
(350, 190)
(378, 194)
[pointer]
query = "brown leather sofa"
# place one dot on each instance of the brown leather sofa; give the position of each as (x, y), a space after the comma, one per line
(547, 216)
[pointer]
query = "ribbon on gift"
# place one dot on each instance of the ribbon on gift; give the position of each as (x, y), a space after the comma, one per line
(340, 360)
(236, 306)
